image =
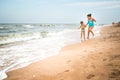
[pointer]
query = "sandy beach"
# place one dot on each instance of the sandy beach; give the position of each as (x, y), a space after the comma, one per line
(94, 59)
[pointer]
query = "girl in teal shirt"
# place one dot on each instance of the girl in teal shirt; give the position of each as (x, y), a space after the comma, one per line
(90, 24)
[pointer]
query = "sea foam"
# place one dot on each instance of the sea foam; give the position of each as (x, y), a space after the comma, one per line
(20, 55)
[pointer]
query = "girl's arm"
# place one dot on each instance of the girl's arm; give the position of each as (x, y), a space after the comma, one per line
(93, 19)
(79, 27)
(86, 24)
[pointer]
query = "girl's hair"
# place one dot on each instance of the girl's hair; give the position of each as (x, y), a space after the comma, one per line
(89, 15)
(81, 22)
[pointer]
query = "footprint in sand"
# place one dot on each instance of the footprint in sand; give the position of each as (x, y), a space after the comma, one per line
(85, 50)
(100, 52)
(66, 70)
(114, 57)
(111, 48)
(68, 61)
(93, 66)
(90, 76)
(109, 65)
(104, 59)
(115, 74)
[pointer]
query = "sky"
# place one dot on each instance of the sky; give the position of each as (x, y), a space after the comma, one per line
(59, 11)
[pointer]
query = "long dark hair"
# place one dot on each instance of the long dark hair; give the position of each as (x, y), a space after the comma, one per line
(89, 15)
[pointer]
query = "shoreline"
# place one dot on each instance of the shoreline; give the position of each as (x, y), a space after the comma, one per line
(13, 67)
(18, 65)
(66, 58)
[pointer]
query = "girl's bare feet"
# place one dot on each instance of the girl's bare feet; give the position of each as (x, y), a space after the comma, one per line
(87, 37)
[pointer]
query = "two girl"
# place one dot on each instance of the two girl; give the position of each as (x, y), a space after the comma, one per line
(90, 26)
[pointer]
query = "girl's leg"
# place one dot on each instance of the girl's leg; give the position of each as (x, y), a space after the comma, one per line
(81, 34)
(88, 32)
(92, 31)
(84, 35)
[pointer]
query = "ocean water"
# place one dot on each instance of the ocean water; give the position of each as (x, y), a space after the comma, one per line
(21, 44)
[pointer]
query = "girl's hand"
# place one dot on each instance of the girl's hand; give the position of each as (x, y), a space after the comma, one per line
(86, 24)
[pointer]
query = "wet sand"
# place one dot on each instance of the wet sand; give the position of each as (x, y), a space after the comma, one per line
(95, 59)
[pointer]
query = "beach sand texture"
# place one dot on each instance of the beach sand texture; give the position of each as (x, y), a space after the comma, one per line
(94, 59)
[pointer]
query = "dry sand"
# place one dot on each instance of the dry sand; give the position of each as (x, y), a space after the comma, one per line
(95, 59)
